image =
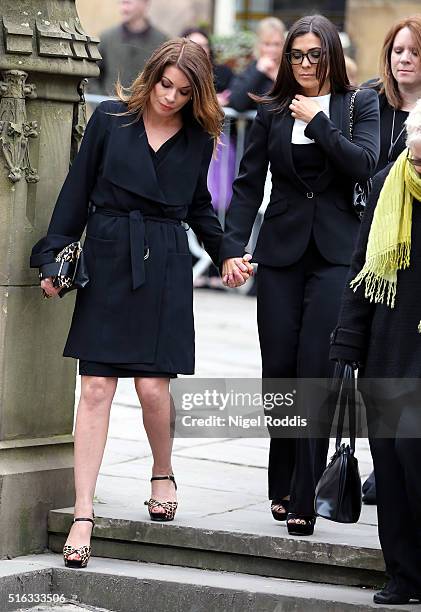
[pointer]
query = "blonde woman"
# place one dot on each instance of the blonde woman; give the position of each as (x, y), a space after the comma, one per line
(379, 329)
(259, 76)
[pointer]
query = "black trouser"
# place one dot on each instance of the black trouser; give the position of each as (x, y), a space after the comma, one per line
(297, 309)
(397, 464)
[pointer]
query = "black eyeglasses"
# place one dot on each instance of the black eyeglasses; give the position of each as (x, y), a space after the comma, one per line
(297, 57)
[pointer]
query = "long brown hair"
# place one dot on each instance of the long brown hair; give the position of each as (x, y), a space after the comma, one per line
(389, 85)
(332, 61)
(192, 60)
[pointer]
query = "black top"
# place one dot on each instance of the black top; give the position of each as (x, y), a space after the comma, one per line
(309, 162)
(388, 153)
(159, 155)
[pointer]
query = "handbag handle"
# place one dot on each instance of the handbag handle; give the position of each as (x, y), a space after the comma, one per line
(351, 113)
(345, 375)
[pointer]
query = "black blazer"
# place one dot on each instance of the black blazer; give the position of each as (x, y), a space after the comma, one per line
(294, 211)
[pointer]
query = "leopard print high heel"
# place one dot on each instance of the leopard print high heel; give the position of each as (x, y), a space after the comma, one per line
(84, 552)
(169, 507)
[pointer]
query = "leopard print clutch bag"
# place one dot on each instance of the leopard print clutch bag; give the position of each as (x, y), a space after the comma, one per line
(69, 270)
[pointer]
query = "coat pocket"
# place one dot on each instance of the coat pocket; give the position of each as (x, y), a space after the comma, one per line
(277, 207)
(100, 257)
(179, 302)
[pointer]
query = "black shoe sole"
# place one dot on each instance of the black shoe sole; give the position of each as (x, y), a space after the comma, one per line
(280, 516)
(158, 519)
(75, 564)
(396, 600)
(300, 533)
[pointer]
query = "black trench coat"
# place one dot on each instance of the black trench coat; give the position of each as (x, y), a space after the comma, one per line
(134, 310)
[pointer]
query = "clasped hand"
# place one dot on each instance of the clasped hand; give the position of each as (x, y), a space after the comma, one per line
(236, 271)
(304, 108)
(48, 287)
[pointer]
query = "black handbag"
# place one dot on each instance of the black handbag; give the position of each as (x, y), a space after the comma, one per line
(361, 191)
(69, 269)
(338, 492)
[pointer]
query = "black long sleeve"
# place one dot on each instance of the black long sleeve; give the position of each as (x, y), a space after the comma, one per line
(201, 215)
(247, 189)
(358, 158)
(71, 210)
(350, 337)
(251, 80)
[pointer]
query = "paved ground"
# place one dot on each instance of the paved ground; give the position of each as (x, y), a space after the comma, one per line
(222, 482)
(221, 479)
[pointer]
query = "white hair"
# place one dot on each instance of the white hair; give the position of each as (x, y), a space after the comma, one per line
(413, 125)
(268, 24)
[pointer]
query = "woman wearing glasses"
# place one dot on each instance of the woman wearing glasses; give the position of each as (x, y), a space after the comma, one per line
(308, 233)
(379, 328)
(399, 88)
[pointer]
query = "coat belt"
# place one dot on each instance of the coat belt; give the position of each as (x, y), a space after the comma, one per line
(139, 249)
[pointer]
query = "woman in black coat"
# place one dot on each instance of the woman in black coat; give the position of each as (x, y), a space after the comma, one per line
(141, 171)
(308, 232)
(379, 329)
(399, 88)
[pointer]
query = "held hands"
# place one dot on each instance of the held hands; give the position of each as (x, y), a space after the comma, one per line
(236, 271)
(48, 288)
(304, 108)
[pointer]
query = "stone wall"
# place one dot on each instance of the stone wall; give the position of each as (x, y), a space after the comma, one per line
(367, 22)
(171, 17)
(43, 63)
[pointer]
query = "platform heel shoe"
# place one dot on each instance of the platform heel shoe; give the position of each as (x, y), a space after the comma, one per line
(169, 507)
(84, 552)
(280, 515)
(305, 529)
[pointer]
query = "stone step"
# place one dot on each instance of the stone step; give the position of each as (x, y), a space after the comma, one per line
(126, 586)
(343, 555)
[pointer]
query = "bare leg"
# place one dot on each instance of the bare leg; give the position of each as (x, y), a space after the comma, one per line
(92, 420)
(155, 398)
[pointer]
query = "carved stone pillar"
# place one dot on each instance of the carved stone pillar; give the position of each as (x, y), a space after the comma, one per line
(44, 60)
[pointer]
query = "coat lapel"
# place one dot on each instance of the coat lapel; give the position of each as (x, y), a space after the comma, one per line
(336, 112)
(128, 163)
(340, 118)
(287, 123)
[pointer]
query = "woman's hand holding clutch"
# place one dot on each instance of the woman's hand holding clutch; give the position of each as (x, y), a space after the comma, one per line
(48, 288)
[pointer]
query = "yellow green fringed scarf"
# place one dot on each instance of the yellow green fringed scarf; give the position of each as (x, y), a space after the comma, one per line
(389, 240)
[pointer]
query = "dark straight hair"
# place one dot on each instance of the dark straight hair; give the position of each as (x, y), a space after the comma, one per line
(331, 65)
